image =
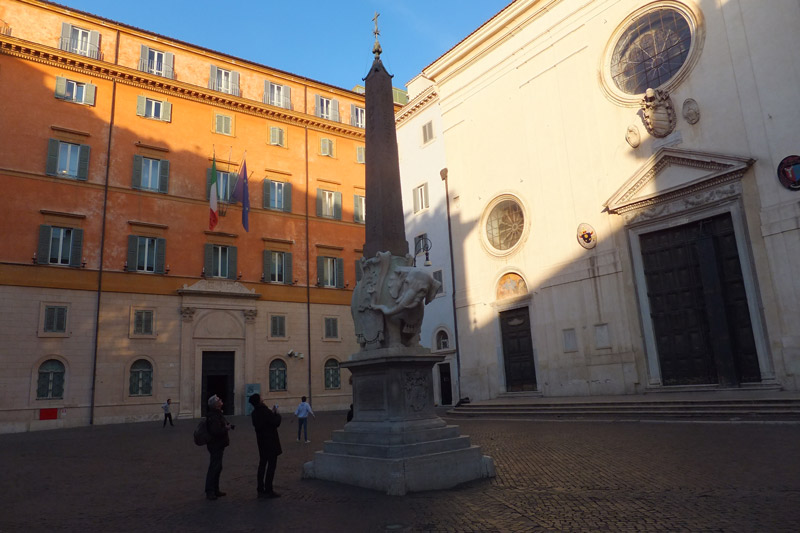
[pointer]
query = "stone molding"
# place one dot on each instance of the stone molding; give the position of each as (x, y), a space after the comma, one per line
(219, 287)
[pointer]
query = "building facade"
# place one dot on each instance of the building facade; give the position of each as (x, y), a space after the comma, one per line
(623, 185)
(118, 292)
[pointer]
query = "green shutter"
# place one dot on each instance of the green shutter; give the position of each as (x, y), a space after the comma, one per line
(352, 114)
(319, 202)
(356, 209)
(141, 103)
(265, 97)
(317, 103)
(90, 90)
(43, 250)
(83, 162)
(320, 269)
(234, 83)
(66, 33)
(143, 58)
(94, 44)
(339, 273)
(161, 254)
(288, 277)
(136, 181)
(266, 257)
(52, 157)
(163, 176)
(232, 262)
(61, 87)
(77, 247)
(335, 110)
(133, 251)
(287, 197)
(208, 258)
(212, 79)
(166, 111)
(169, 65)
(287, 97)
(337, 205)
(265, 196)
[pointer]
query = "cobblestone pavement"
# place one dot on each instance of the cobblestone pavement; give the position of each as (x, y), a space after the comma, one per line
(551, 476)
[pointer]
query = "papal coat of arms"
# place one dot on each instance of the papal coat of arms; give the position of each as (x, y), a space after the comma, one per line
(658, 113)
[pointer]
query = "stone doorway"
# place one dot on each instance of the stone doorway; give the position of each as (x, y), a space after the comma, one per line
(217, 378)
(515, 328)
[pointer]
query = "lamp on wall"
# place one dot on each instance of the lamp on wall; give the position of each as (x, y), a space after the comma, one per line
(424, 244)
(292, 353)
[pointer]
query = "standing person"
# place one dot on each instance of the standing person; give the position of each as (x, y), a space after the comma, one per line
(302, 412)
(167, 414)
(266, 422)
(350, 413)
(218, 429)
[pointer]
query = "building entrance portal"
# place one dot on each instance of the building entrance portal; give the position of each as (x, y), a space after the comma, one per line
(515, 327)
(445, 387)
(698, 304)
(217, 378)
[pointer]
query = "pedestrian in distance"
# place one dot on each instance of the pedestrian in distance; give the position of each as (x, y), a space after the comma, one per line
(167, 414)
(302, 412)
(218, 429)
(266, 422)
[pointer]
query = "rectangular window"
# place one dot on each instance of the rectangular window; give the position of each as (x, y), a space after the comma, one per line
(359, 115)
(60, 245)
(359, 209)
(326, 147)
(151, 170)
(67, 160)
(223, 80)
(277, 271)
(277, 137)
(330, 272)
(75, 91)
(437, 275)
(55, 319)
(143, 322)
(276, 96)
(223, 124)
(79, 41)
(324, 107)
(155, 62)
(68, 155)
(226, 181)
(427, 132)
(328, 203)
(276, 194)
(331, 327)
(146, 254)
(150, 174)
(421, 198)
(152, 108)
(277, 326)
(361, 154)
(219, 262)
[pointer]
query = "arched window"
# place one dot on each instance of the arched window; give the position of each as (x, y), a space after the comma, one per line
(332, 375)
(277, 375)
(51, 380)
(141, 380)
(442, 340)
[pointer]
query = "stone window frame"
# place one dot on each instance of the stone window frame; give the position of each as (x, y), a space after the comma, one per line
(494, 202)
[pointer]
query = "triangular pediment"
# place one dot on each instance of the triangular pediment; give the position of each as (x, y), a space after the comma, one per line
(218, 287)
(673, 172)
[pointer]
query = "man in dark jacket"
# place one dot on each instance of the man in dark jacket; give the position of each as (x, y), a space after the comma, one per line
(218, 429)
(266, 422)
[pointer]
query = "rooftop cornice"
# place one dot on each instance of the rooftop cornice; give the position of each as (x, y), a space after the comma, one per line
(47, 55)
(420, 101)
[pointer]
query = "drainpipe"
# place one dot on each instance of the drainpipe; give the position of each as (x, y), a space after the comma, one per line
(308, 259)
(103, 239)
(443, 174)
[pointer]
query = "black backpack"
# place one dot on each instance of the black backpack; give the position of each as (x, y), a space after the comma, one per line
(201, 434)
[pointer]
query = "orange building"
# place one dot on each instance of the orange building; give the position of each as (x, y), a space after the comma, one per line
(118, 295)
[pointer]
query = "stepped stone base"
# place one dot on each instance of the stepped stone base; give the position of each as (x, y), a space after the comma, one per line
(395, 442)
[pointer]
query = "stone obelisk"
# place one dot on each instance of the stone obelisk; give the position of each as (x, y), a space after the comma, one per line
(395, 443)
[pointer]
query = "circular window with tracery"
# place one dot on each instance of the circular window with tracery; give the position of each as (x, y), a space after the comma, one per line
(505, 224)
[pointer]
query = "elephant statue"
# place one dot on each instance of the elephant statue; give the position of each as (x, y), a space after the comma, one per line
(410, 289)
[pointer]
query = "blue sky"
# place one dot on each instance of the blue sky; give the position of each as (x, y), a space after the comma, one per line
(327, 41)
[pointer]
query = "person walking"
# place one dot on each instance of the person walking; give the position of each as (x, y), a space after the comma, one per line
(266, 422)
(167, 414)
(302, 412)
(218, 429)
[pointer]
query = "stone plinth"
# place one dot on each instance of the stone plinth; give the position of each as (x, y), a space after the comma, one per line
(395, 442)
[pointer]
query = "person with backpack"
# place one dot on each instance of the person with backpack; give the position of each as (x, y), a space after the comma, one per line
(266, 422)
(218, 439)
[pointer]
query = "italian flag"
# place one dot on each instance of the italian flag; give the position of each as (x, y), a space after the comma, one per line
(213, 215)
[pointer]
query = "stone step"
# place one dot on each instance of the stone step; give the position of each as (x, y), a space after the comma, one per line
(363, 449)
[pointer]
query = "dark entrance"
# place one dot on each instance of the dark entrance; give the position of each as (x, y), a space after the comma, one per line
(515, 327)
(218, 379)
(444, 384)
(698, 304)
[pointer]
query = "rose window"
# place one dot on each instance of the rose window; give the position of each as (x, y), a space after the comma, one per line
(505, 225)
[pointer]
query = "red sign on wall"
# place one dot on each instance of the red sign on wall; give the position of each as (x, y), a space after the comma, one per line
(48, 414)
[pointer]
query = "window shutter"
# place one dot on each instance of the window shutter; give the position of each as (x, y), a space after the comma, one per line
(234, 83)
(144, 66)
(319, 202)
(136, 181)
(208, 258)
(266, 256)
(337, 205)
(208, 183)
(265, 196)
(335, 110)
(43, 250)
(89, 93)
(287, 197)
(161, 254)
(320, 269)
(265, 97)
(359, 270)
(339, 273)
(273, 135)
(66, 33)
(163, 176)
(94, 44)
(425, 193)
(416, 200)
(356, 209)
(133, 250)
(317, 104)
(166, 111)
(169, 65)
(141, 103)
(281, 137)
(287, 268)
(61, 87)
(232, 262)
(352, 114)
(219, 127)
(50, 319)
(287, 97)
(77, 246)
(212, 78)
(83, 162)
(52, 157)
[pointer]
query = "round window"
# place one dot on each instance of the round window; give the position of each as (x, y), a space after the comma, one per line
(651, 50)
(505, 224)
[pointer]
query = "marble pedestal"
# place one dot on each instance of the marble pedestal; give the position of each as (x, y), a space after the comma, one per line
(395, 442)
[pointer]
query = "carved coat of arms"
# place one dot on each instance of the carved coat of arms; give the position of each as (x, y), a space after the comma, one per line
(658, 113)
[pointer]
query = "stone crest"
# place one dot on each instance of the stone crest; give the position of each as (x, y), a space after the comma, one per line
(587, 236)
(691, 111)
(416, 390)
(632, 136)
(658, 113)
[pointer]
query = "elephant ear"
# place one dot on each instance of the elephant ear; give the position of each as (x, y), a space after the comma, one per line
(433, 290)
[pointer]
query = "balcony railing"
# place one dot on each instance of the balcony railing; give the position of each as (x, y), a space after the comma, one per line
(157, 67)
(284, 101)
(224, 88)
(83, 48)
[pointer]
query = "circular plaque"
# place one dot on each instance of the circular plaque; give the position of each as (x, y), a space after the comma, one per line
(789, 172)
